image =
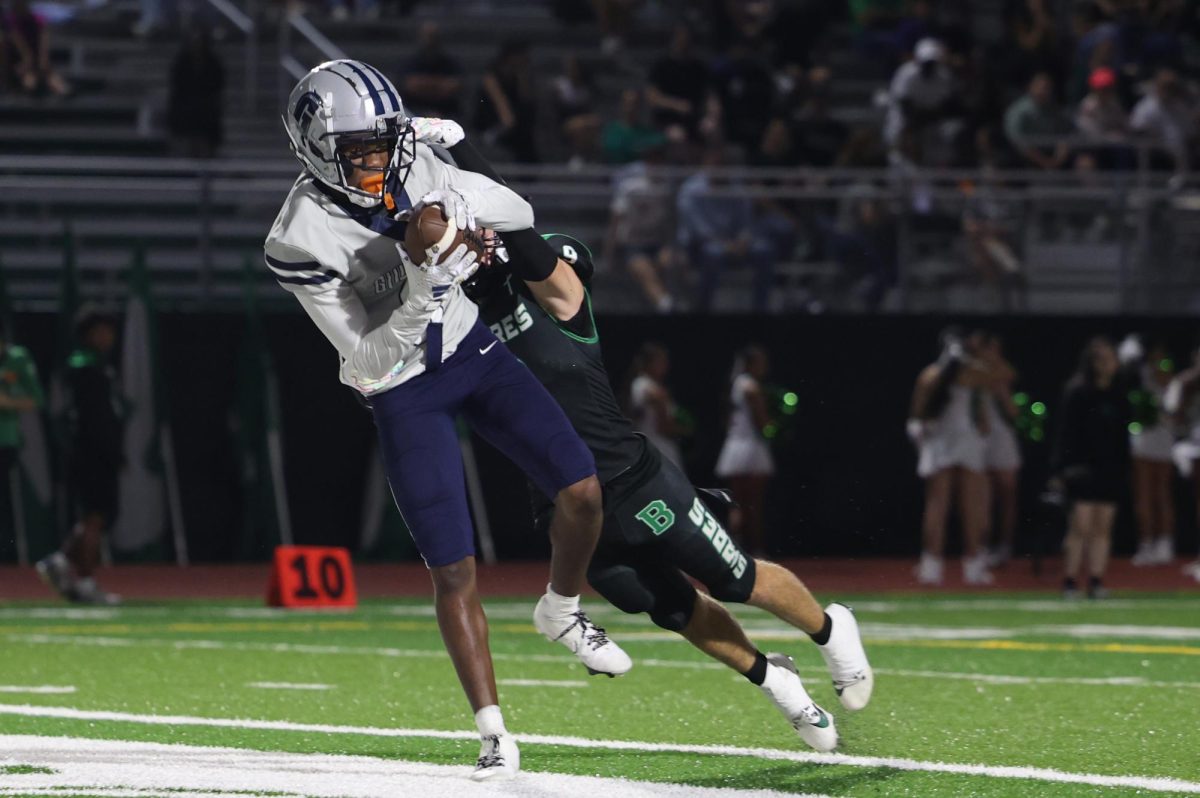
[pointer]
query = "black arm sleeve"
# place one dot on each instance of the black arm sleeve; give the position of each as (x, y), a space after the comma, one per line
(529, 256)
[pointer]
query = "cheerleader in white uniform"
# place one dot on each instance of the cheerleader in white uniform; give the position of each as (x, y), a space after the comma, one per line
(745, 458)
(1002, 452)
(1182, 403)
(947, 424)
(1151, 447)
(650, 402)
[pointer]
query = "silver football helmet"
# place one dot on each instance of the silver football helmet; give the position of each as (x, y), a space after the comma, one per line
(345, 108)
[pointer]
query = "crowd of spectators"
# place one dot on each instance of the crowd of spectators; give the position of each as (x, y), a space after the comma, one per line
(906, 85)
(1079, 85)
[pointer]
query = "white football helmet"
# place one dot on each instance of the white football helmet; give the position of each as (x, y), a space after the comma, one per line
(343, 105)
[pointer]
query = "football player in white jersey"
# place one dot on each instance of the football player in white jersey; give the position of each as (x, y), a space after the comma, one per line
(412, 344)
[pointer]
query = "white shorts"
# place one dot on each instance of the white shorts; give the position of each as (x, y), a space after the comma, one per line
(942, 450)
(740, 457)
(1001, 450)
(1153, 443)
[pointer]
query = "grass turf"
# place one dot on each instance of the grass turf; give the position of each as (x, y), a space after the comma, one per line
(386, 668)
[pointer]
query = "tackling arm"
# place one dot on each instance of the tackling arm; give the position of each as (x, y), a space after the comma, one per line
(555, 285)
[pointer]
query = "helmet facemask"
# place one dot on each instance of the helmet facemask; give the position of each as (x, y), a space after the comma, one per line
(395, 138)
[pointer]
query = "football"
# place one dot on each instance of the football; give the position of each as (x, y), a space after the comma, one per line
(430, 236)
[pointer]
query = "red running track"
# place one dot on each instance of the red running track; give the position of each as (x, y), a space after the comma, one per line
(825, 577)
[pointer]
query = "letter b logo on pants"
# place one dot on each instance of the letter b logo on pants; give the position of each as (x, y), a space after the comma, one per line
(658, 516)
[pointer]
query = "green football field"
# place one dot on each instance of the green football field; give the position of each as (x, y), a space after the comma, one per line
(975, 696)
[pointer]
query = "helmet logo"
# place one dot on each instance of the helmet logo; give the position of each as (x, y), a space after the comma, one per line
(305, 111)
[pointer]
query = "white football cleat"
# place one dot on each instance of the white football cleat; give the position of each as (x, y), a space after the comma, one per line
(498, 758)
(852, 676)
(783, 686)
(975, 571)
(55, 571)
(929, 570)
(586, 640)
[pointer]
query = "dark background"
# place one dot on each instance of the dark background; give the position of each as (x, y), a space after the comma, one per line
(846, 481)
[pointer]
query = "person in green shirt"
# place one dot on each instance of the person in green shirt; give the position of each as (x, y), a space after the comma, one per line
(95, 411)
(20, 392)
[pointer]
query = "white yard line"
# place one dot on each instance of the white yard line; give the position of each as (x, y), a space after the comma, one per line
(288, 686)
(648, 662)
(39, 689)
(1021, 605)
(1150, 783)
(1099, 630)
(116, 768)
(542, 683)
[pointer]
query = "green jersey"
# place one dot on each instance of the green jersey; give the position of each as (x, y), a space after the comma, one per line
(18, 380)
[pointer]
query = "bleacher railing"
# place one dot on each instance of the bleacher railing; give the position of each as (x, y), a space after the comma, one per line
(207, 217)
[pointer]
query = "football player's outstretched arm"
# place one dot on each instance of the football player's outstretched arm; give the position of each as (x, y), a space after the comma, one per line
(555, 285)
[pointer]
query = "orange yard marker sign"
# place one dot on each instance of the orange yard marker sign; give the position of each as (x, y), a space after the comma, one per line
(311, 576)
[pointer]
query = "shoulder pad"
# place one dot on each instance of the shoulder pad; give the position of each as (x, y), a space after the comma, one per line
(574, 252)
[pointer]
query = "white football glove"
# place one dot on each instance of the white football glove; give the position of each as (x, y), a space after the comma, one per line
(454, 204)
(433, 283)
(437, 132)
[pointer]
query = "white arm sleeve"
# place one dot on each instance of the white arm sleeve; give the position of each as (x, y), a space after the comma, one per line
(373, 355)
(495, 206)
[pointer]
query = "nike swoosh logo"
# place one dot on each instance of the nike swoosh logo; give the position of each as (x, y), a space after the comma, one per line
(488, 348)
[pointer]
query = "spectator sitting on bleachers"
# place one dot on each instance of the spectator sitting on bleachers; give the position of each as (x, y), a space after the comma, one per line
(630, 135)
(746, 89)
(717, 231)
(639, 230)
(432, 81)
(28, 43)
(820, 138)
(925, 106)
(1098, 44)
(507, 110)
(863, 240)
(1168, 116)
(194, 108)
(1102, 116)
(679, 88)
(989, 228)
(1103, 120)
(575, 103)
(1037, 40)
(1033, 119)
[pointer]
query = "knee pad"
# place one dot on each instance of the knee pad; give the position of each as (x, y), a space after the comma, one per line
(668, 598)
(620, 587)
(736, 590)
(673, 610)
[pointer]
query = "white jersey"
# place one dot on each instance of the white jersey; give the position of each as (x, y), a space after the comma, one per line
(343, 263)
(646, 422)
(745, 451)
(952, 440)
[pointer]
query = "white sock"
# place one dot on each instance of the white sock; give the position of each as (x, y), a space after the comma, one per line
(86, 584)
(489, 721)
(561, 606)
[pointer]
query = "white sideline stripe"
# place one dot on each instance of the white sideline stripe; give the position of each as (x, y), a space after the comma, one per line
(41, 689)
(1092, 630)
(542, 683)
(301, 648)
(288, 686)
(1020, 605)
(1152, 783)
(119, 768)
